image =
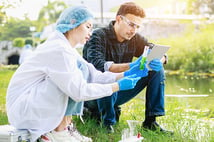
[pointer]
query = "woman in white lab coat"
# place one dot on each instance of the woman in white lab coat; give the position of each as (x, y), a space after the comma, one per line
(53, 83)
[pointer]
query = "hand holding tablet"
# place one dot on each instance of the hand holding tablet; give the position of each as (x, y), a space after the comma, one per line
(154, 52)
(157, 52)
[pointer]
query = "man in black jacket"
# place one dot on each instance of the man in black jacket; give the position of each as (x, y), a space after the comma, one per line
(112, 48)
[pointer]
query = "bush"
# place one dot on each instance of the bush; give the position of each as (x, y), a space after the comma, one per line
(193, 52)
(29, 41)
(18, 42)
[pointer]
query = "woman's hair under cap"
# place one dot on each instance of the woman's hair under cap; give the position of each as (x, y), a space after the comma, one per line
(72, 17)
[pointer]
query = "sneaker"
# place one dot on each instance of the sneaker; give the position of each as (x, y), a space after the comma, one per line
(75, 133)
(109, 129)
(154, 126)
(61, 136)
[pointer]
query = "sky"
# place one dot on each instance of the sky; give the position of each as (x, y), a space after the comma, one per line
(32, 7)
(29, 7)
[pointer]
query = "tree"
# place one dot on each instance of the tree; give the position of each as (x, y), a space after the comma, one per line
(2, 14)
(4, 4)
(50, 13)
(200, 7)
(14, 28)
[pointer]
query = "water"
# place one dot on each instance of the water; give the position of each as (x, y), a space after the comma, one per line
(193, 91)
(196, 91)
(190, 85)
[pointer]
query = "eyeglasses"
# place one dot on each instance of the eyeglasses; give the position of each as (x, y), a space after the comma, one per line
(131, 24)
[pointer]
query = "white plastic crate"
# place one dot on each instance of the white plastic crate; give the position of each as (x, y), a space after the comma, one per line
(10, 134)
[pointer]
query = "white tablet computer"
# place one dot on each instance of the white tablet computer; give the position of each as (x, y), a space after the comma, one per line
(157, 52)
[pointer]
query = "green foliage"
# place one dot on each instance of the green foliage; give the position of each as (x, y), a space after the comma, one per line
(4, 4)
(189, 9)
(196, 6)
(18, 42)
(192, 52)
(42, 41)
(2, 14)
(15, 28)
(50, 13)
(29, 41)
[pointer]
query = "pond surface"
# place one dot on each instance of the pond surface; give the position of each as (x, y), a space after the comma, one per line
(189, 85)
(194, 91)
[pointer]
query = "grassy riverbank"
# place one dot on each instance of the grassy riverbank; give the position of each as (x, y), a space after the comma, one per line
(190, 119)
(188, 123)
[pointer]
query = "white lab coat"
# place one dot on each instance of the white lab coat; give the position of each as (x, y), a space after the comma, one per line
(38, 92)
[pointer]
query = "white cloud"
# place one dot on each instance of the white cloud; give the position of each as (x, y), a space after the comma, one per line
(29, 7)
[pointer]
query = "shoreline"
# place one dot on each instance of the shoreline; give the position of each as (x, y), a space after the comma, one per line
(167, 72)
(177, 72)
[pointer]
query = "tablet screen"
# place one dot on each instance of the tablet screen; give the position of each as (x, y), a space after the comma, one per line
(157, 52)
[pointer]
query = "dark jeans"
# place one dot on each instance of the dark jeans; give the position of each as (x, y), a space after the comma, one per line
(154, 98)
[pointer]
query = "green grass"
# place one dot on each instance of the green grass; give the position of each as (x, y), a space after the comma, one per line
(191, 120)
(5, 75)
(188, 123)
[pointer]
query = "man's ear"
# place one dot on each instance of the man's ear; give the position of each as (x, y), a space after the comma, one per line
(118, 18)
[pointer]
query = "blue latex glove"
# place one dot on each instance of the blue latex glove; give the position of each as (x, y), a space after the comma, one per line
(156, 65)
(142, 73)
(135, 70)
(128, 82)
(136, 62)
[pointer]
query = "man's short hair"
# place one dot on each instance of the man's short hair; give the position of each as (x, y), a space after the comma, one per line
(131, 8)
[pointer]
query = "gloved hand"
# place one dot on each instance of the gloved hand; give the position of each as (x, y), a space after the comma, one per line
(127, 83)
(136, 62)
(135, 70)
(156, 65)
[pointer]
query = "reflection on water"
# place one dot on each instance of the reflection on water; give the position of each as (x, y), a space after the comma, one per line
(190, 91)
(189, 85)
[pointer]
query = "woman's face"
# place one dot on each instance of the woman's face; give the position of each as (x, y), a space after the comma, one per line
(83, 32)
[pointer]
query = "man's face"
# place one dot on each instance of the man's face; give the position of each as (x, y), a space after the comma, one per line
(129, 24)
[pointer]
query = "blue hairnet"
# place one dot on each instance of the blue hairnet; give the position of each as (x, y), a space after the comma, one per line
(72, 17)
